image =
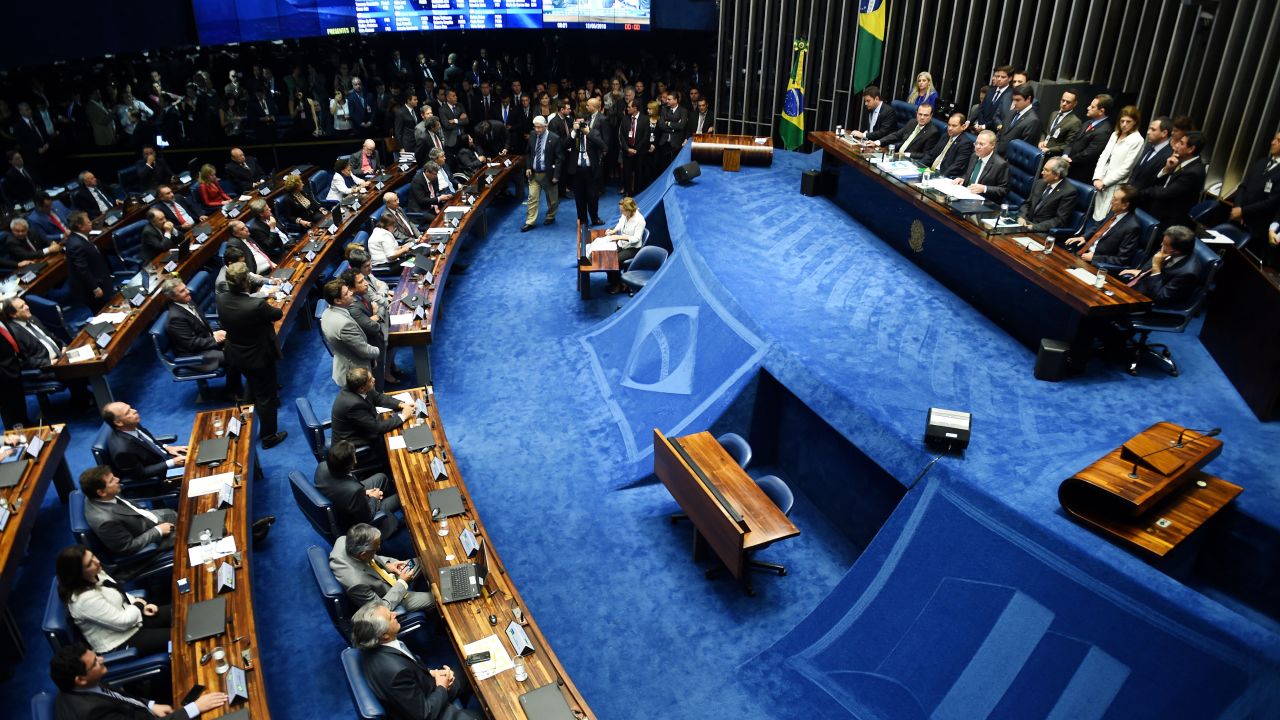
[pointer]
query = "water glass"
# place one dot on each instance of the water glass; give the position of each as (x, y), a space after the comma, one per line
(220, 663)
(1048, 245)
(444, 528)
(521, 673)
(218, 427)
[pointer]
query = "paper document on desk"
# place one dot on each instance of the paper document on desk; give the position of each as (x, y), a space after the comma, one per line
(402, 319)
(404, 397)
(950, 189)
(115, 318)
(1027, 242)
(396, 442)
(1005, 222)
(602, 245)
(80, 354)
(1083, 275)
(206, 485)
(220, 549)
(1217, 238)
(499, 659)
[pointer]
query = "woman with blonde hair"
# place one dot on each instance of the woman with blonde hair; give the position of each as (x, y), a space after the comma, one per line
(629, 235)
(651, 168)
(1118, 159)
(211, 193)
(924, 93)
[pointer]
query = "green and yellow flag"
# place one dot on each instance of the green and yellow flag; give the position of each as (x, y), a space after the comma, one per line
(793, 103)
(870, 43)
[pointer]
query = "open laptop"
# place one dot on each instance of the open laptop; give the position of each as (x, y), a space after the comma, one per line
(466, 581)
(11, 472)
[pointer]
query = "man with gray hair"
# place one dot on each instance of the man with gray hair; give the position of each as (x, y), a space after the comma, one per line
(407, 688)
(542, 171)
(368, 577)
(26, 244)
(158, 237)
(986, 174)
(403, 229)
(190, 334)
(1052, 199)
(252, 348)
(444, 180)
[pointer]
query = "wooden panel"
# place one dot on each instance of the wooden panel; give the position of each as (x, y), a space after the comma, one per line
(709, 518)
(1248, 351)
(1134, 496)
(241, 632)
(24, 501)
(467, 620)
(710, 149)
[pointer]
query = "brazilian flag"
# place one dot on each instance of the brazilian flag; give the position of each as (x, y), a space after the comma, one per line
(870, 43)
(793, 104)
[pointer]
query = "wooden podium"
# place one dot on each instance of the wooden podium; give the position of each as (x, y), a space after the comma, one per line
(1150, 494)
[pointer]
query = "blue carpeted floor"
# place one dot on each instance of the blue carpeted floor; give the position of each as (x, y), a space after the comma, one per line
(546, 401)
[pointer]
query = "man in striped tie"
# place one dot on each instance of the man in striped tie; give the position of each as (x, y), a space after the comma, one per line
(78, 672)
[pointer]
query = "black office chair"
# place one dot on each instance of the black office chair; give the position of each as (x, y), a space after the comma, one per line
(1172, 319)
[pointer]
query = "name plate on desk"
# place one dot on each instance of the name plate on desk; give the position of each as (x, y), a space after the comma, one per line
(237, 688)
(226, 577)
(233, 426)
(148, 198)
(519, 639)
(35, 445)
(438, 470)
(311, 255)
(28, 276)
(333, 229)
(103, 340)
(226, 495)
(287, 288)
(420, 312)
(264, 191)
(4, 516)
(170, 266)
(138, 299)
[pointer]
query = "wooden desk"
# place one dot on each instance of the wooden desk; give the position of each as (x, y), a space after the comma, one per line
(467, 620)
(599, 261)
(731, 151)
(1241, 334)
(141, 317)
(417, 332)
(1029, 294)
(241, 632)
(686, 465)
(23, 501)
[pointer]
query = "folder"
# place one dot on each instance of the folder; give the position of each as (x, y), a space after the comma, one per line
(212, 451)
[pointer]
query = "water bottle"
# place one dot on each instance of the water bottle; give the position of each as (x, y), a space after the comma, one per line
(840, 131)
(206, 549)
(893, 152)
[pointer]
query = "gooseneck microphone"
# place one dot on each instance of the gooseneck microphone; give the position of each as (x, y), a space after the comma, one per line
(1205, 434)
(1177, 444)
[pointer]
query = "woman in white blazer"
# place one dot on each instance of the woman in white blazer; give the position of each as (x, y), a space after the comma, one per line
(1118, 160)
(344, 183)
(108, 617)
(629, 235)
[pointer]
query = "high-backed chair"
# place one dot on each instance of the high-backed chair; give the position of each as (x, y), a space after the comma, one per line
(314, 506)
(124, 666)
(126, 244)
(643, 267)
(321, 306)
(1238, 234)
(781, 495)
(904, 112)
(367, 705)
(147, 562)
(42, 706)
(338, 605)
(1173, 318)
(182, 368)
(1080, 213)
(1024, 167)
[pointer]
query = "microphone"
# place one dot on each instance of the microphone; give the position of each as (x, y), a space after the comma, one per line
(1207, 433)
(1177, 444)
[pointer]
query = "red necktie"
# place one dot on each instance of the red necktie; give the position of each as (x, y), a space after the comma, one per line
(57, 223)
(177, 211)
(1093, 241)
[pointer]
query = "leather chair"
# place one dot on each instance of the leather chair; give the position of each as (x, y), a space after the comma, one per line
(128, 179)
(368, 707)
(320, 186)
(182, 368)
(321, 306)
(737, 447)
(904, 112)
(314, 506)
(644, 243)
(1173, 319)
(126, 665)
(145, 563)
(1024, 167)
(338, 605)
(643, 267)
(1238, 234)
(126, 245)
(42, 706)
(1080, 213)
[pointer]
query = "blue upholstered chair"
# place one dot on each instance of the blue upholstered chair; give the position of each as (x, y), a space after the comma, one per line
(904, 112)
(781, 495)
(1024, 167)
(642, 268)
(126, 244)
(182, 368)
(338, 605)
(1238, 234)
(124, 666)
(1173, 318)
(367, 705)
(314, 506)
(145, 563)
(737, 447)
(1080, 213)
(42, 706)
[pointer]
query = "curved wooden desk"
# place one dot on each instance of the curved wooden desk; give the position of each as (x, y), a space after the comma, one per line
(731, 151)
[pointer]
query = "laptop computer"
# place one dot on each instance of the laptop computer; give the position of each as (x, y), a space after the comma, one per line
(466, 581)
(215, 521)
(212, 451)
(206, 619)
(284, 273)
(419, 439)
(445, 502)
(11, 472)
(546, 703)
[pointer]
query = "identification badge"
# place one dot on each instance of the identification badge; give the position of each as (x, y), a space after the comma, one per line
(1267, 188)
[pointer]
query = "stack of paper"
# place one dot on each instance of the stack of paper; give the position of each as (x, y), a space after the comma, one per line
(1083, 275)
(220, 549)
(115, 318)
(602, 245)
(1027, 242)
(211, 484)
(950, 189)
(499, 659)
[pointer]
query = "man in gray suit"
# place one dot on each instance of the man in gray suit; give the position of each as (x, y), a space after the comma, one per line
(369, 577)
(346, 340)
(123, 527)
(452, 119)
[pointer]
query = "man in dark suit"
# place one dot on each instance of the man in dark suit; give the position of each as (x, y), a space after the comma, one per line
(996, 106)
(453, 120)
(492, 139)
(1172, 274)
(191, 334)
(424, 194)
(19, 184)
(47, 220)
(355, 500)
(1154, 154)
(243, 170)
(1084, 151)
(542, 173)
(586, 164)
(134, 452)
(177, 210)
(485, 104)
(406, 116)
(673, 128)
(1179, 183)
(1117, 240)
(1024, 123)
(355, 417)
(914, 139)
(1052, 199)
(987, 174)
(1258, 197)
(633, 135)
(122, 527)
(950, 155)
(360, 105)
(27, 244)
(261, 111)
(265, 230)
(408, 689)
(39, 348)
(255, 256)
(13, 398)
(251, 348)
(365, 161)
(152, 170)
(158, 237)
(87, 270)
(1063, 126)
(78, 672)
(701, 123)
(881, 120)
(91, 198)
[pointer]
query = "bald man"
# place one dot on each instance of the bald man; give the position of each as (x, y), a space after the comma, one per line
(365, 161)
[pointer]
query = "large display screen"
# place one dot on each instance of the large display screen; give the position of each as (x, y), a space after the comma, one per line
(225, 21)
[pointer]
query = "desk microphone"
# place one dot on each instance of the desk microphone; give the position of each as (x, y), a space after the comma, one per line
(1177, 444)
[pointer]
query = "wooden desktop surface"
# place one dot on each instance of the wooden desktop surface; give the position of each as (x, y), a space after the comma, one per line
(418, 330)
(467, 620)
(25, 498)
(710, 149)
(241, 631)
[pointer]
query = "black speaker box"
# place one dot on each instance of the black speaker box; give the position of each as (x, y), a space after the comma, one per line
(1051, 360)
(811, 183)
(687, 172)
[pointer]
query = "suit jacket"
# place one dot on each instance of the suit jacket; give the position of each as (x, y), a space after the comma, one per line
(886, 122)
(19, 187)
(93, 706)
(451, 124)
(1259, 204)
(1026, 129)
(496, 141)
(1085, 150)
(357, 161)
(594, 143)
(993, 113)
(1061, 137)
(187, 333)
(995, 175)
(251, 333)
(362, 583)
(641, 144)
(920, 145)
(249, 259)
(350, 506)
(403, 128)
(134, 459)
(124, 531)
(1047, 210)
(1175, 284)
(553, 158)
(87, 268)
(406, 689)
(673, 126)
(291, 211)
(350, 347)
(1171, 197)
(192, 215)
(355, 419)
(270, 242)
(358, 104)
(34, 352)
(424, 196)
(30, 249)
(1144, 173)
(44, 223)
(156, 243)
(82, 199)
(1120, 246)
(149, 176)
(956, 159)
(243, 176)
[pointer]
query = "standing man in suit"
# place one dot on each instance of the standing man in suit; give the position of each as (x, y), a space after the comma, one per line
(87, 270)
(177, 209)
(1063, 126)
(191, 334)
(1258, 197)
(355, 416)
(703, 123)
(354, 500)
(1154, 155)
(996, 107)
(372, 578)
(78, 672)
(344, 337)
(453, 120)
(673, 128)
(122, 527)
(987, 174)
(26, 244)
(1172, 274)
(1023, 125)
(134, 452)
(1084, 151)
(251, 347)
(492, 139)
(880, 117)
(408, 689)
(1051, 201)
(914, 139)
(243, 170)
(633, 133)
(950, 155)
(587, 163)
(359, 105)
(19, 184)
(542, 173)
(406, 116)
(1179, 183)
(1117, 240)
(90, 198)
(365, 161)
(158, 237)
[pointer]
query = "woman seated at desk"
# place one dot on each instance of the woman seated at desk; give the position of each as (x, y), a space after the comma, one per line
(345, 183)
(108, 617)
(299, 207)
(629, 234)
(212, 195)
(383, 247)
